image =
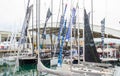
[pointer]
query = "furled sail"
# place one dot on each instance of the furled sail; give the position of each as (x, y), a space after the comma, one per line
(25, 25)
(91, 54)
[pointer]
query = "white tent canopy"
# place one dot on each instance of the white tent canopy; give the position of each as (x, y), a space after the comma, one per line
(108, 40)
(106, 50)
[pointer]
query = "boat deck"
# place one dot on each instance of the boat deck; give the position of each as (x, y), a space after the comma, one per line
(5, 51)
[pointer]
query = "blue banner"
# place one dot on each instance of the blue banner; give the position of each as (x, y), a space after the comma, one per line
(61, 23)
(73, 19)
(61, 47)
(102, 32)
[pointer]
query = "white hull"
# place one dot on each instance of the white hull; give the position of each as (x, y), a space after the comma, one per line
(10, 58)
(1, 61)
(67, 70)
(117, 71)
(53, 61)
(42, 68)
(108, 59)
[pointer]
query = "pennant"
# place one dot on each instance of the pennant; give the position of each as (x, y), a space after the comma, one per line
(49, 14)
(102, 32)
(25, 25)
(61, 26)
(103, 21)
(73, 16)
(61, 23)
(73, 23)
(61, 46)
(68, 32)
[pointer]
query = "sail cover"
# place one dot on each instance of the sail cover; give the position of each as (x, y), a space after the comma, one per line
(91, 54)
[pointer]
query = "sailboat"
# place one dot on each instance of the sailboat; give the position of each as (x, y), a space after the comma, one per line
(92, 67)
(106, 58)
(10, 57)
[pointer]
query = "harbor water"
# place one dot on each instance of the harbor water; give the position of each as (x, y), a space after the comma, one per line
(24, 70)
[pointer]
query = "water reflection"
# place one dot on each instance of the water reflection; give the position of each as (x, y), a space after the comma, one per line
(24, 70)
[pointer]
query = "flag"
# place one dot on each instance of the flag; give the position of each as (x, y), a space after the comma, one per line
(102, 32)
(103, 21)
(61, 23)
(49, 13)
(64, 29)
(62, 42)
(25, 25)
(47, 18)
(44, 32)
(61, 26)
(65, 10)
(68, 32)
(73, 18)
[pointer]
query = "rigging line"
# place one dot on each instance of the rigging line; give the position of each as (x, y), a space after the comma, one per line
(38, 7)
(28, 2)
(78, 33)
(51, 27)
(75, 29)
(24, 5)
(92, 15)
(32, 33)
(36, 27)
(71, 40)
(58, 13)
(106, 1)
(83, 32)
(55, 49)
(103, 27)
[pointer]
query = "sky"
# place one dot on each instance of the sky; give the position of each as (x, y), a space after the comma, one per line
(12, 12)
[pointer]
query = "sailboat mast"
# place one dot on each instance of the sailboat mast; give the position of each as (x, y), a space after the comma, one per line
(71, 38)
(78, 39)
(51, 28)
(83, 32)
(32, 34)
(92, 15)
(62, 6)
(38, 24)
